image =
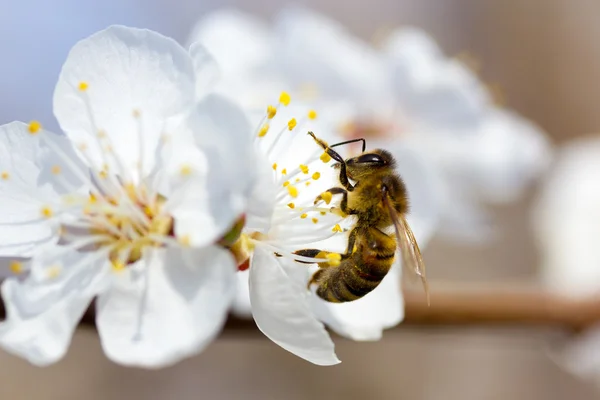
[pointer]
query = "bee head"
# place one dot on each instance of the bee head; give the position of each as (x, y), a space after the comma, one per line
(369, 163)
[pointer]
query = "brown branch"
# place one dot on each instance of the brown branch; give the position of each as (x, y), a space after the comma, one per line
(475, 305)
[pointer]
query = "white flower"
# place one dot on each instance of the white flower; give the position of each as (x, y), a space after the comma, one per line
(408, 94)
(255, 59)
(567, 226)
(281, 219)
(125, 208)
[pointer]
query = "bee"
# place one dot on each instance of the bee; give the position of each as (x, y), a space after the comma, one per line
(378, 199)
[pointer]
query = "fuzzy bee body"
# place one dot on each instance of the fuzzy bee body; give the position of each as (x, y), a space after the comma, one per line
(379, 201)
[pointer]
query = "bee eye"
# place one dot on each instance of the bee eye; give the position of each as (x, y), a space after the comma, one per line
(370, 158)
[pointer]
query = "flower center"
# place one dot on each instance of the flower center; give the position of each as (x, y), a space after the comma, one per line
(127, 234)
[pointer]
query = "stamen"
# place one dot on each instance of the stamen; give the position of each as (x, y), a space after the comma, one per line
(16, 267)
(325, 158)
(291, 205)
(337, 228)
(292, 190)
(304, 168)
(274, 166)
(292, 124)
(326, 197)
(271, 111)
(4, 175)
(315, 176)
(263, 130)
(315, 220)
(46, 212)
(34, 127)
(312, 114)
(285, 98)
(83, 86)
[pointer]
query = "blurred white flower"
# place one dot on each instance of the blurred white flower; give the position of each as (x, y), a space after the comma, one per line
(125, 208)
(566, 222)
(406, 95)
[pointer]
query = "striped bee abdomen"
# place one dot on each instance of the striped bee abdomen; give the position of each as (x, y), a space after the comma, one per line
(360, 273)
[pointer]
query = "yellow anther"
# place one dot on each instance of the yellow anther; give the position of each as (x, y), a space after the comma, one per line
(292, 191)
(325, 157)
(54, 271)
(323, 213)
(304, 215)
(316, 175)
(337, 228)
(92, 198)
(118, 265)
(101, 134)
(284, 171)
(263, 130)
(292, 123)
(56, 169)
(315, 220)
(34, 127)
(103, 174)
(334, 259)
(16, 267)
(304, 168)
(5, 175)
(274, 166)
(286, 183)
(326, 197)
(285, 98)
(291, 205)
(46, 212)
(136, 113)
(185, 170)
(271, 111)
(312, 114)
(297, 180)
(185, 240)
(307, 183)
(83, 86)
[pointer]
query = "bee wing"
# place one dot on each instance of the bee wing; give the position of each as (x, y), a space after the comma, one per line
(411, 254)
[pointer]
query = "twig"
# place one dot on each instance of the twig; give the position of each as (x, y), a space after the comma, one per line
(473, 305)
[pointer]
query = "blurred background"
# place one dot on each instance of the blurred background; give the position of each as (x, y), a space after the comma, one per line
(544, 57)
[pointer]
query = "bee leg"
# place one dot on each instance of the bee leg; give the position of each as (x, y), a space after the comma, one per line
(314, 279)
(318, 253)
(333, 154)
(343, 209)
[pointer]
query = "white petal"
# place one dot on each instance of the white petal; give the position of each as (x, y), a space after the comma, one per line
(27, 184)
(128, 72)
(440, 91)
(238, 41)
(241, 305)
(566, 220)
(218, 194)
(365, 318)
(206, 69)
(281, 311)
(43, 311)
(167, 307)
(320, 51)
(508, 154)
(581, 356)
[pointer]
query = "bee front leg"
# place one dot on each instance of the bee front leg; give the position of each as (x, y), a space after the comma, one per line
(326, 197)
(342, 163)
